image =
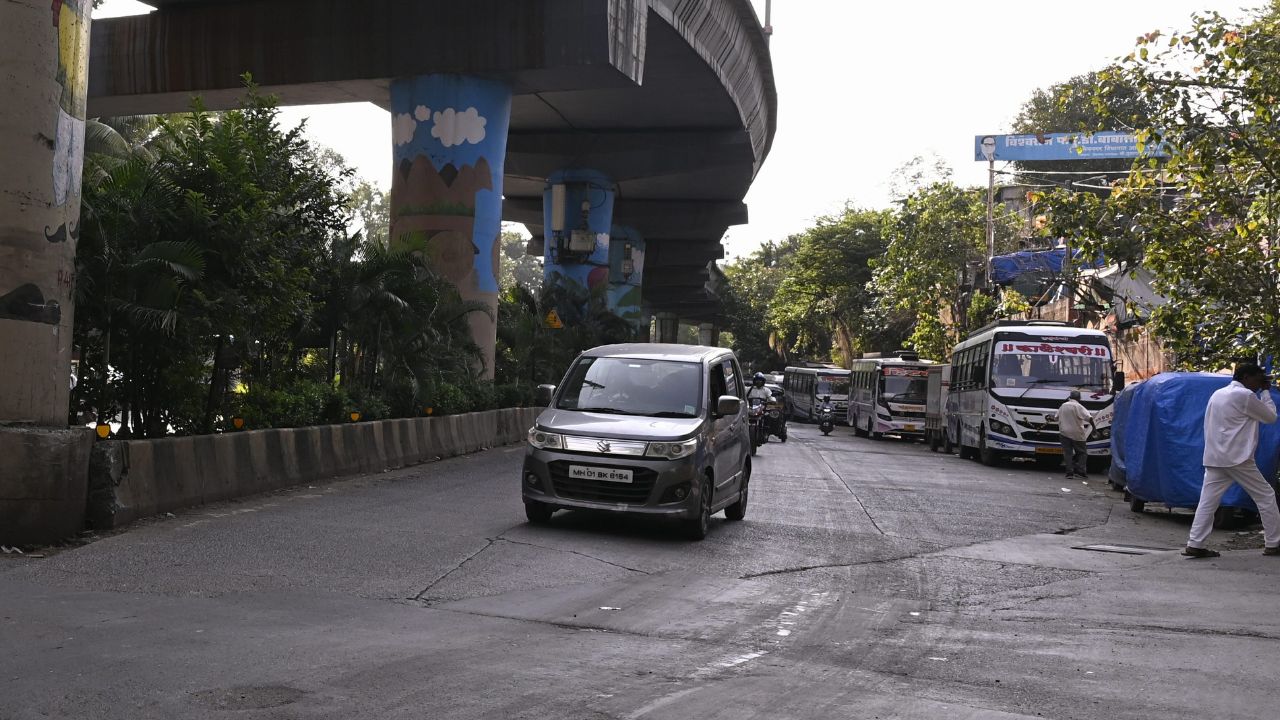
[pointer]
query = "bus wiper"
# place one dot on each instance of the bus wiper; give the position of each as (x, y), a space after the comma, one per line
(1046, 381)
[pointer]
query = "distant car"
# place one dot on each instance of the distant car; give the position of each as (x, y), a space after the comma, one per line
(647, 429)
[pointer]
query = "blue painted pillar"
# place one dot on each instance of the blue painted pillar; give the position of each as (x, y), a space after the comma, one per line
(450, 135)
(577, 207)
(626, 276)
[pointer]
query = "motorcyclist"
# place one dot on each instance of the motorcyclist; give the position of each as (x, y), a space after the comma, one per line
(758, 391)
(826, 404)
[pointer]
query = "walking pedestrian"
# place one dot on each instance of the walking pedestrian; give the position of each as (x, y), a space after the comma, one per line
(1230, 443)
(1074, 425)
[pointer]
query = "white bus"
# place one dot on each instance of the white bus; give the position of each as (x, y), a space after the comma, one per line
(1009, 379)
(804, 388)
(888, 396)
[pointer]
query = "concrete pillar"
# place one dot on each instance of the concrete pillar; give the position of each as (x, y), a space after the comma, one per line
(44, 70)
(626, 276)
(450, 135)
(577, 209)
(43, 80)
(708, 334)
(668, 327)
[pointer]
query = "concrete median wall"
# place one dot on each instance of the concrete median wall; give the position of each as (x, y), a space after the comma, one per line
(132, 479)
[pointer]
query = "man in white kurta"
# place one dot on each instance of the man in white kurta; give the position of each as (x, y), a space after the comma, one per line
(1230, 442)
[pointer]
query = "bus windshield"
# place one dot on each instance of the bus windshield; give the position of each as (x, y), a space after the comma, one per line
(832, 385)
(904, 389)
(1075, 367)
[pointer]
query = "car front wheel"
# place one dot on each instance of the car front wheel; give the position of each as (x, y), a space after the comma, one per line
(738, 510)
(697, 528)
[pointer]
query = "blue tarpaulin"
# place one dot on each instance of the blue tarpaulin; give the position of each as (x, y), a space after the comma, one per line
(1124, 401)
(1008, 268)
(1162, 442)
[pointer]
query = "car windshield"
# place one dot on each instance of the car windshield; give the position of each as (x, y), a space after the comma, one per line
(1027, 370)
(905, 389)
(832, 385)
(627, 386)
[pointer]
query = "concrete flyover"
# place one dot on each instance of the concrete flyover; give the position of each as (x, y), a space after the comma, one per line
(656, 114)
(672, 99)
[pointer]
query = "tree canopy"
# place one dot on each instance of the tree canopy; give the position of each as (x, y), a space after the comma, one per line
(1204, 222)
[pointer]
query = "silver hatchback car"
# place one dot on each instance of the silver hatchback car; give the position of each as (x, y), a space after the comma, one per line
(648, 429)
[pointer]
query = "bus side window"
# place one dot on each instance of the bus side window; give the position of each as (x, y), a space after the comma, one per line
(980, 365)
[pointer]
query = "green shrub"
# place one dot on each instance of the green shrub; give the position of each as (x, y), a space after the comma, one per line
(482, 396)
(301, 403)
(513, 395)
(449, 399)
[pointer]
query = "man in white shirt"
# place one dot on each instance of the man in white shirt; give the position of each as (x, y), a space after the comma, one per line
(1230, 442)
(1074, 425)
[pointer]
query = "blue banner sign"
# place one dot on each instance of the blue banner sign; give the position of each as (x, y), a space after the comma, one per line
(1104, 144)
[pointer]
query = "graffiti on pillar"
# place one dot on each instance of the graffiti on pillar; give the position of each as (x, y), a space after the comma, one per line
(64, 231)
(71, 25)
(27, 303)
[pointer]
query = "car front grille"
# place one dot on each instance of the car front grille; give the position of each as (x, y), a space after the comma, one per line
(636, 492)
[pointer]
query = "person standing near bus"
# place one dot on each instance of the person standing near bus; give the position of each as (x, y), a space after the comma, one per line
(1230, 444)
(1074, 425)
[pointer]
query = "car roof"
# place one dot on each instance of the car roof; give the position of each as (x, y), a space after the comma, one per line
(658, 351)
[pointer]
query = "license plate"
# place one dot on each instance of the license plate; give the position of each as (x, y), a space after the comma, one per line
(1048, 451)
(909, 428)
(580, 472)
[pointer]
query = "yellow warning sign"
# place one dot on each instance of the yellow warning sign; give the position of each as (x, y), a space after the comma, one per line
(553, 321)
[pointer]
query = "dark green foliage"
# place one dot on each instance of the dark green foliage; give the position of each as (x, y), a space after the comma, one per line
(215, 276)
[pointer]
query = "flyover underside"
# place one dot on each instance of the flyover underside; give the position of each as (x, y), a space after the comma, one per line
(673, 99)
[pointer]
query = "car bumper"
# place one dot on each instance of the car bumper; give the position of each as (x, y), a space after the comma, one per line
(651, 492)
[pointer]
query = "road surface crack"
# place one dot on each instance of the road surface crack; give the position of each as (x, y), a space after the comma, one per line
(574, 552)
(488, 543)
(852, 494)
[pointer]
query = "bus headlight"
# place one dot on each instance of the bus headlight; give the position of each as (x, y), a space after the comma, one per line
(1003, 428)
(1102, 433)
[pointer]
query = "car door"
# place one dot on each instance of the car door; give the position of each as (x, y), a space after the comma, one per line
(732, 433)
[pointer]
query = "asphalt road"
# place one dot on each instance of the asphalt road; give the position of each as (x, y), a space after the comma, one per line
(869, 580)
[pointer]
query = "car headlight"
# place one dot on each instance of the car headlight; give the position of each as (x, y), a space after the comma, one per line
(545, 440)
(672, 450)
(1002, 428)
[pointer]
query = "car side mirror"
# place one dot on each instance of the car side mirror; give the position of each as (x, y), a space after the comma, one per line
(728, 405)
(544, 393)
(1117, 381)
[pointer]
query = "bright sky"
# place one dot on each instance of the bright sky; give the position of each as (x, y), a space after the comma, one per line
(863, 87)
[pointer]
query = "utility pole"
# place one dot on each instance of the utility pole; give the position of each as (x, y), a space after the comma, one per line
(991, 217)
(768, 20)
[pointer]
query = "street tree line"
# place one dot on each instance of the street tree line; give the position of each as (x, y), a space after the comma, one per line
(1202, 221)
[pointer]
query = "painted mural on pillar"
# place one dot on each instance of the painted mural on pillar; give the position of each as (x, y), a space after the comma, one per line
(626, 273)
(71, 23)
(450, 136)
(586, 260)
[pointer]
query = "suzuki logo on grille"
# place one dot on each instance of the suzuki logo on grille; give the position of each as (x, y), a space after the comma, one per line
(603, 446)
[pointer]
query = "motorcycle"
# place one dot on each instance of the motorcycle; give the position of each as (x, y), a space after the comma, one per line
(826, 419)
(775, 422)
(756, 420)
